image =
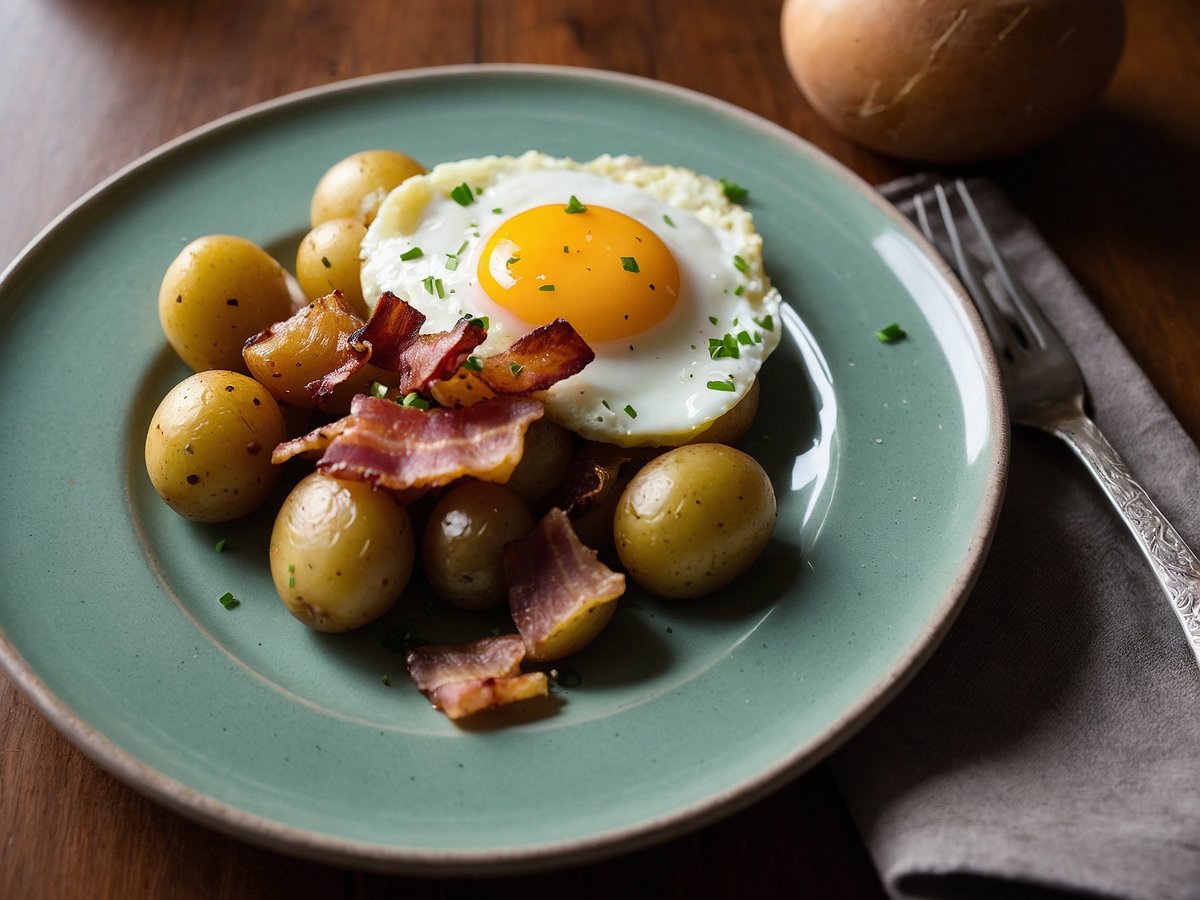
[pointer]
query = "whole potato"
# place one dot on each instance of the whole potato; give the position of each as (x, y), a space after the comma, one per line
(462, 548)
(327, 260)
(218, 292)
(341, 552)
(544, 461)
(354, 187)
(946, 81)
(208, 449)
(694, 519)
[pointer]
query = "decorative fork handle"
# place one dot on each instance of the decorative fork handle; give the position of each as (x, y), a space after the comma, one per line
(1175, 565)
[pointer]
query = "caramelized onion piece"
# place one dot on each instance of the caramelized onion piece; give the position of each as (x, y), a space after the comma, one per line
(462, 680)
(560, 595)
(398, 447)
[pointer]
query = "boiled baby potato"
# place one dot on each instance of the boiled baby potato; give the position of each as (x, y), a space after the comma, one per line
(327, 260)
(218, 292)
(463, 544)
(341, 552)
(544, 461)
(208, 450)
(354, 187)
(947, 81)
(694, 519)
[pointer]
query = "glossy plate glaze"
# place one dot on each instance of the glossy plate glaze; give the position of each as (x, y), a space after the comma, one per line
(888, 460)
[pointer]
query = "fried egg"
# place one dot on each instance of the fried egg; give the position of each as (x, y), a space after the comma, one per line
(655, 268)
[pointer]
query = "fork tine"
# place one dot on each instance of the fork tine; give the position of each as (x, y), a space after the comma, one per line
(1032, 319)
(1006, 341)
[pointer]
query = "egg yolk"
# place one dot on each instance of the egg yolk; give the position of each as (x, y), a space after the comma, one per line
(607, 274)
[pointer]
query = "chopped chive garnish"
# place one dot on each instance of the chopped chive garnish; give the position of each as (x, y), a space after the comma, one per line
(515, 368)
(439, 288)
(739, 290)
(497, 210)
(740, 264)
(326, 263)
(413, 400)
(629, 264)
(451, 262)
(566, 249)
(512, 259)
(722, 347)
(574, 206)
(766, 323)
(668, 220)
(227, 600)
(463, 195)
(386, 679)
(891, 334)
(474, 364)
(427, 281)
(733, 190)
(222, 544)
(630, 411)
(546, 287)
(604, 403)
(378, 389)
(713, 319)
(478, 321)
(726, 385)
(291, 576)
(414, 253)
(744, 338)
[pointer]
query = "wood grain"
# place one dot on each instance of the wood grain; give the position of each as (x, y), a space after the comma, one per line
(89, 86)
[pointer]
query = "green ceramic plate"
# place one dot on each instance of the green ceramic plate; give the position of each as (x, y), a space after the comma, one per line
(888, 461)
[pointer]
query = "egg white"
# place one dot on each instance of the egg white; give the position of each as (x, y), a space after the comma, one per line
(650, 389)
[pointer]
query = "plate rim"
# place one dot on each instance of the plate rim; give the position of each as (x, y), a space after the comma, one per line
(231, 820)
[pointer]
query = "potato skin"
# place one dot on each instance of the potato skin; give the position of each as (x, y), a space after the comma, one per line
(945, 81)
(462, 547)
(341, 552)
(328, 260)
(694, 519)
(208, 449)
(548, 449)
(217, 293)
(354, 187)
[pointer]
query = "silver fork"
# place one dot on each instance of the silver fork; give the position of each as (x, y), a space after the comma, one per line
(1046, 390)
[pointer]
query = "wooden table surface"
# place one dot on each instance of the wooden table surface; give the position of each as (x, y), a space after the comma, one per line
(89, 85)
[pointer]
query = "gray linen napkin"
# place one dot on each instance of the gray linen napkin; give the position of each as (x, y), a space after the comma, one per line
(1051, 746)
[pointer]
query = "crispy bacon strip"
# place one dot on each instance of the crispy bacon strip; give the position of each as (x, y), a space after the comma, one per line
(462, 680)
(551, 575)
(464, 698)
(433, 357)
(316, 441)
(538, 360)
(398, 447)
(432, 665)
(382, 340)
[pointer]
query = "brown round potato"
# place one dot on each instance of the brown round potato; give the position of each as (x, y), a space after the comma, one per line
(945, 81)
(694, 519)
(462, 548)
(327, 260)
(217, 293)
(544, 462)
(354, 187)
(341, 552)
(208, 449)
